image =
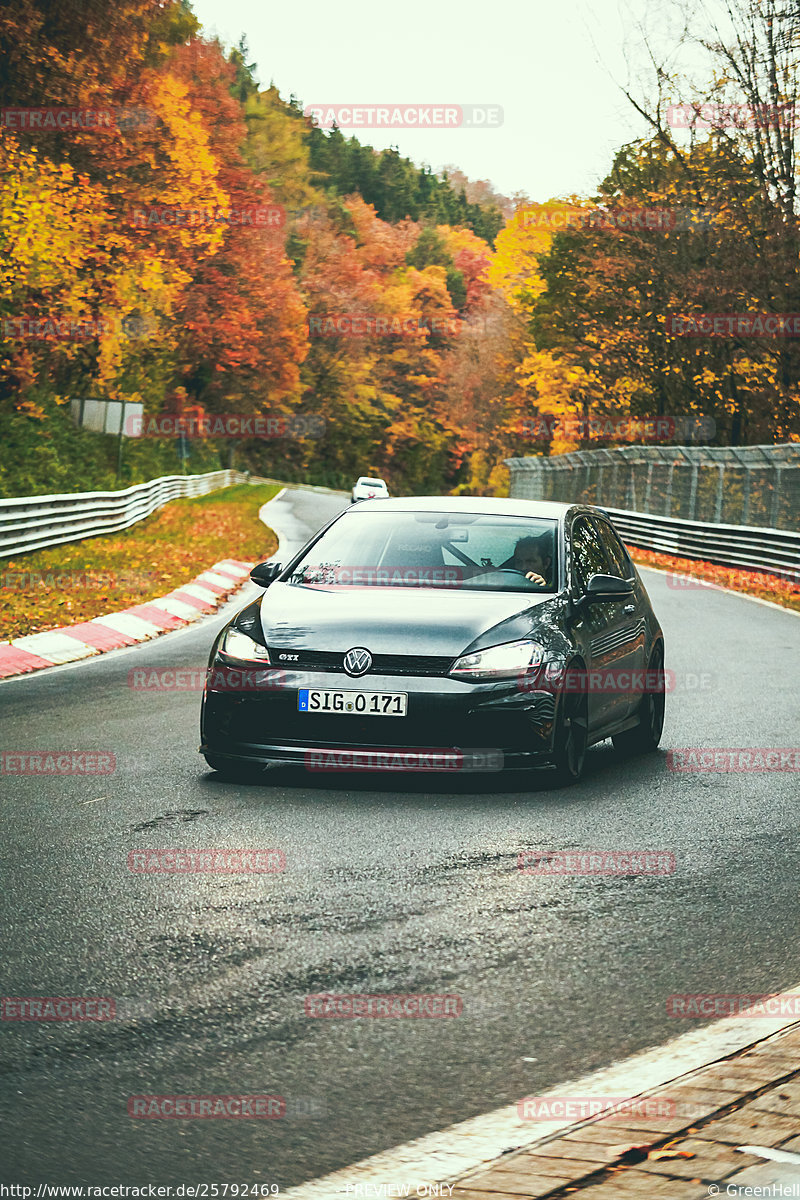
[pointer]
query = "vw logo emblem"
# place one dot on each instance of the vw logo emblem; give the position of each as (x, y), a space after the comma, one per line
(357, 661)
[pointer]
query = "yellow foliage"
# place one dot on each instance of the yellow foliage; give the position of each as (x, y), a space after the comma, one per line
(48, 222)
(527, 237)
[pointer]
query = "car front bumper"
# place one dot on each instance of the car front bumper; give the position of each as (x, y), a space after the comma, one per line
(482, 727)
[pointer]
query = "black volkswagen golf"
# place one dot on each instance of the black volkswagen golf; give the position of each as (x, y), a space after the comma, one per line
(440, 633)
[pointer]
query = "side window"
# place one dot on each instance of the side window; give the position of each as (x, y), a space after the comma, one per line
(588, 555)
(619, 563)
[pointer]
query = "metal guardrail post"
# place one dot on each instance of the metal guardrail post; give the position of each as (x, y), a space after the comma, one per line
(776, 497)
(720, 485)
(648, 491)
(693, 491)
(746, 496)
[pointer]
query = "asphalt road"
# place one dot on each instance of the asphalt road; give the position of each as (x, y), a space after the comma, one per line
(405, 886)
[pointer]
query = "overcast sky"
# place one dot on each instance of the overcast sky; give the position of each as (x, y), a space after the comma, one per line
(553, 66)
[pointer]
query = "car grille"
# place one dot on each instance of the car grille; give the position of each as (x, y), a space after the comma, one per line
(353, 731)
(247, 724)
(382, 664)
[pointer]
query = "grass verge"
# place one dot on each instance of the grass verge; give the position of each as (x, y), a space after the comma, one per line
(81, 580)
(779, 589)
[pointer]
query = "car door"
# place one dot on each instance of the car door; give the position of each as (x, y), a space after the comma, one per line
(614, 632)
(620, 564)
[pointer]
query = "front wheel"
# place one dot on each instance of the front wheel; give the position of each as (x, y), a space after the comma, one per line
(571, 739)
(645, 736)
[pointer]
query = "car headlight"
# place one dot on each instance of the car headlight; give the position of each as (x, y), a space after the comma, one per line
(498, 662)
(238, 645)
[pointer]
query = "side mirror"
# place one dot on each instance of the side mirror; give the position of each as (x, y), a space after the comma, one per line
(265, 573)
(602, 588)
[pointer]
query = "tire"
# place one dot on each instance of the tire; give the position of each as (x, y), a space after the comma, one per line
(570, 738)
(229, 768)
(645, 736)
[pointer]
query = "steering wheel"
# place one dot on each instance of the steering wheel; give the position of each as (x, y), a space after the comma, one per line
(481, 580)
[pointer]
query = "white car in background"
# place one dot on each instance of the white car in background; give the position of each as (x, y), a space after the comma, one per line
(369, 489)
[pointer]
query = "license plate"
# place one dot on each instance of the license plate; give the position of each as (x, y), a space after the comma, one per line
(353, 704)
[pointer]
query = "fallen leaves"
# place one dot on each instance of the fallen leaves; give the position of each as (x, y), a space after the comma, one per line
(628, 1154)
(753, 583)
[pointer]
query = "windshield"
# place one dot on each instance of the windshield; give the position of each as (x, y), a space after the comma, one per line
(433, 550)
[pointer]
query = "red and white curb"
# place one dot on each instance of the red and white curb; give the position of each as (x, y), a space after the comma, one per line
(137, 624)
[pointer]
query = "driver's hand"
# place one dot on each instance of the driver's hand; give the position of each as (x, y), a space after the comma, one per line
(534, 578)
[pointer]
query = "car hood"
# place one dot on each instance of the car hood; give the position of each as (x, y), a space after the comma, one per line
(427, 621)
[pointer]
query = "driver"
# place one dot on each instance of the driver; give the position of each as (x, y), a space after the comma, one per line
(532, 558)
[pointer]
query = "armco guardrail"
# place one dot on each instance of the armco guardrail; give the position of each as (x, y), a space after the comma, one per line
(754, 549)
(35, 522)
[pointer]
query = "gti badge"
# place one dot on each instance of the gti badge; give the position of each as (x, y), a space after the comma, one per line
(357, 661)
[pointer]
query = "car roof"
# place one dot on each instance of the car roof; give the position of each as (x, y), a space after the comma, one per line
(497, 505)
